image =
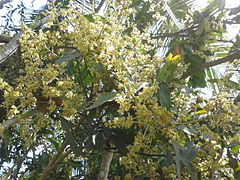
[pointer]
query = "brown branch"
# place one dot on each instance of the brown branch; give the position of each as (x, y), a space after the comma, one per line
(55, 161)
(99, 6)
(9, 48)
(4, 39)
(229, 58)
(6, 124)
(54, 165)
(57, 158)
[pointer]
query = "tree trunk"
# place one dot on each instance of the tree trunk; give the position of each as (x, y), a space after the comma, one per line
(105, 165)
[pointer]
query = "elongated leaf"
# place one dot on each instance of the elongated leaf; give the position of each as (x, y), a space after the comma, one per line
(166, 72)
(68, 56)
(67, 125)
(186, 129)
(71, 141)
(231, 84)
(104, 98)
(190, 152)
(44, 159)
(176, 148)
(54, 143)
(185, 155)
(164, 96)
(99, 142)
(163, 71)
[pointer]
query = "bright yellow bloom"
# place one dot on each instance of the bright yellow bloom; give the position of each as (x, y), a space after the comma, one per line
(172, 59)
(201, 111)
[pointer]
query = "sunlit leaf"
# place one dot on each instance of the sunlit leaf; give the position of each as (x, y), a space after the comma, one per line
(110, 96)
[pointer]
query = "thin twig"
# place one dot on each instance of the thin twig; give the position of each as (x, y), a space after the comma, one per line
(229, 58)
(10, 48)
(6, 124)
(53, 163)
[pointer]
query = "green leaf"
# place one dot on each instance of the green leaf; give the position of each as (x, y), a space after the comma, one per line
(104, 98)
(164, 96)
(167, 71)
(231, 84)
(213, 80)
(163, 71)
(71, 67)
(190, 152)
(176, 148)
(235, 148)
(237, 18)
(192, 59)
(54, 143)
(198, 79)
(44, 159)
(71, 141)
(68, 56)
(119, 141)
(89, 17)
(185, 155)
(66, 125)
(221, 54)
(99, 142)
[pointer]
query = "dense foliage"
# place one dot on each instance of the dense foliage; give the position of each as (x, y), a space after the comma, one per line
(119, 93)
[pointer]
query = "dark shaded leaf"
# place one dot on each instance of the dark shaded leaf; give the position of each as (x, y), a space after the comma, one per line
(19, 164)
(141, 177)
(198, 79)
(71, 141)
(99, 142)
(185, 155)
(66, 125)
(44, 159)
(231, 84)
(120, 144)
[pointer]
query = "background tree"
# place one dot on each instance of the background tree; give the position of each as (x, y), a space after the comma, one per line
(95, 89)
